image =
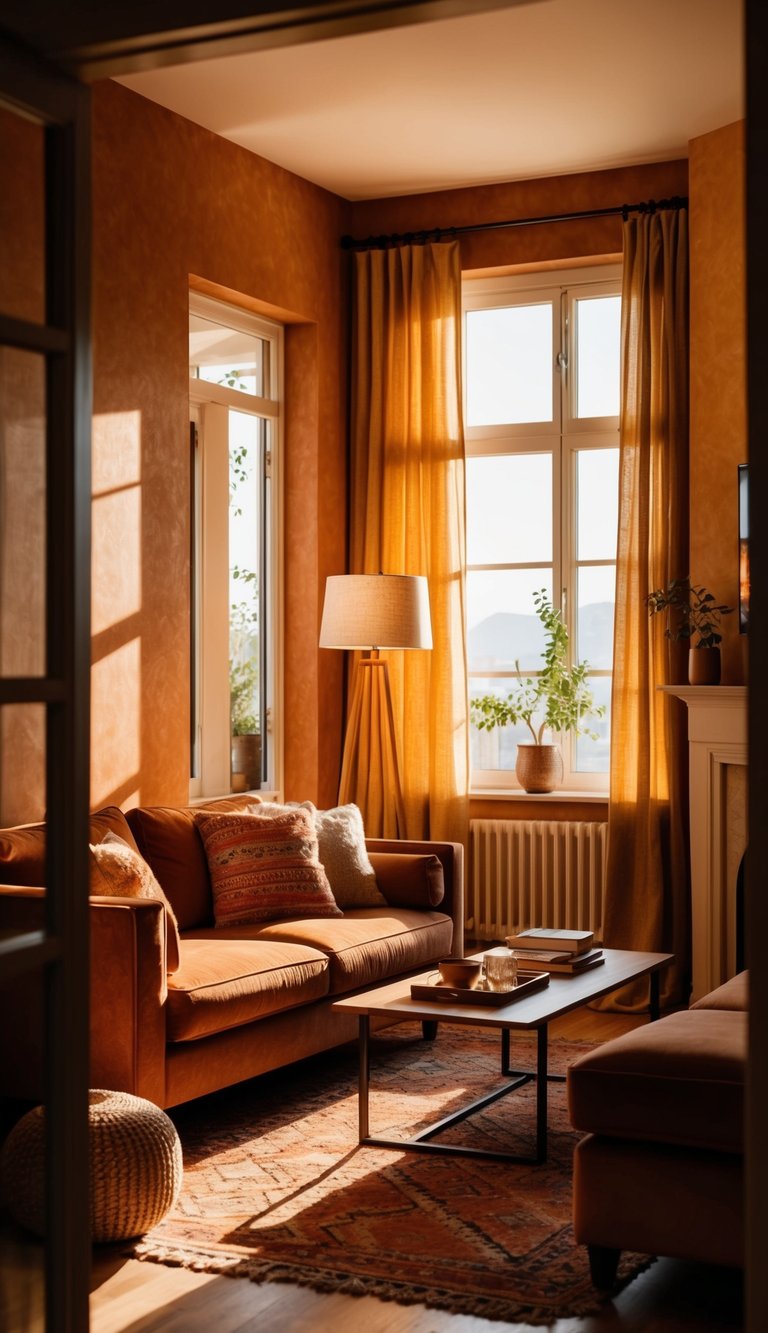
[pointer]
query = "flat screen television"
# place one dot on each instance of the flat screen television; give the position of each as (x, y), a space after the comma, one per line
(743, 547)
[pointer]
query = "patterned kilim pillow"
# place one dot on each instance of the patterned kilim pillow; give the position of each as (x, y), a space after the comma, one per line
(265, 867)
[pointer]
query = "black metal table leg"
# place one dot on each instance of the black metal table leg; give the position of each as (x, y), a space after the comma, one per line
(542, 1079)
(505, 1050)
(363, 1076)
(654, 987)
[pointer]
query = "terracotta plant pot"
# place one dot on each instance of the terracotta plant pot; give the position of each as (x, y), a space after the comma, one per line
(703, 666)
(246, 762)
(539, 768)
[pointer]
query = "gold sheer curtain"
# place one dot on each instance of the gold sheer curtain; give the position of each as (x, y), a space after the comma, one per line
(407, 517)
(647, 879)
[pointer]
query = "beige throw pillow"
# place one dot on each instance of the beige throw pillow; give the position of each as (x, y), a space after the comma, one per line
(341, 839)
(117, 871)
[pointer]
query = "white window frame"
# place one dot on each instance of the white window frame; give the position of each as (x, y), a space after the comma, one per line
(562, 437)
(209, 411)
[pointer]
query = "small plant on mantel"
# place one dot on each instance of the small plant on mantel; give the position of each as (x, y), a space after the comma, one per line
(695, 616)
(693, 612)
(558, 699)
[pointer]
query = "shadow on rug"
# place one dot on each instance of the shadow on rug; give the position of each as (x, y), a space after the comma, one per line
(277, 1189)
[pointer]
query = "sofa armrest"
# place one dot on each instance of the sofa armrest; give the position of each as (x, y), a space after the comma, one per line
(127, 998)
(451, 856)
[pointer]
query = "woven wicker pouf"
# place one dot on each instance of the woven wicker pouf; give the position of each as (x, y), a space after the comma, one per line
(134, 1158)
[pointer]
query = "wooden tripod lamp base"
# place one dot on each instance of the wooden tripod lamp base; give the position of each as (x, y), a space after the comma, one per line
(372, 696)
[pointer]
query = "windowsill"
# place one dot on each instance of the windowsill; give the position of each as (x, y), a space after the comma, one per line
(233, 795)
(507, 794)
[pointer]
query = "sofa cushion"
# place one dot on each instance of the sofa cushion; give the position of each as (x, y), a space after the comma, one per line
(264, 866)
(343, 854)
(224, 983)
(117, 871)
(409, 880)
(680, 1080)
(733, 994)
(22, 850)
(370, 944)
(168, 839)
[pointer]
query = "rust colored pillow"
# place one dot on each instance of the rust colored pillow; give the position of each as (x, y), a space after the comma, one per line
(265, 867)
(22, 849)
(168, 839)
(117, 871)
(408, 880)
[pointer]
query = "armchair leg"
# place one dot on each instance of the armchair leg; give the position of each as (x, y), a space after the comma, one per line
(429, 1029)
(603, 1266)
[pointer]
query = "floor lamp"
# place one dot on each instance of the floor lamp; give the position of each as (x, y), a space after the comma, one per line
(369, 612)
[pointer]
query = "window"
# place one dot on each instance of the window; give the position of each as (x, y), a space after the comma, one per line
(541, 383)
(235, 375)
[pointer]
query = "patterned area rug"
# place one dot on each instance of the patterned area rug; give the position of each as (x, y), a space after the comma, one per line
(276, 1187)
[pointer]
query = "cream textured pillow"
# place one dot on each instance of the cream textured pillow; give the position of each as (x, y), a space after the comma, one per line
(117, 871)
(341, 839)
(265, 866)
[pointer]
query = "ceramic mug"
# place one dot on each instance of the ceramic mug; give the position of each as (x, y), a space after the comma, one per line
(463, 972)
(500, 969)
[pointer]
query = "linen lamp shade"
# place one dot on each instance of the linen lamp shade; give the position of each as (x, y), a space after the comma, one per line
(376, 611)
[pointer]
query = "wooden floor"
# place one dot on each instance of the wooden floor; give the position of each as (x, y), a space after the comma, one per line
(133, 1297)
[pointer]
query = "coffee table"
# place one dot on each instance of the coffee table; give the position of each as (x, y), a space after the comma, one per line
(531, 1013)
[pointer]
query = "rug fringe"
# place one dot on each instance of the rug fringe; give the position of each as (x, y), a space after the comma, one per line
(323, 1280)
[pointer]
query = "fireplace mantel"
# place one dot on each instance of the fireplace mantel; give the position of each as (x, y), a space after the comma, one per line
(717, 738)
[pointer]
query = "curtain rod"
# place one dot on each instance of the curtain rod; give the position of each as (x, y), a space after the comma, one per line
(449, 233)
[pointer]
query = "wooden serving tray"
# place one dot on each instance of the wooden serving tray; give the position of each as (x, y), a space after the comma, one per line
(527, 982)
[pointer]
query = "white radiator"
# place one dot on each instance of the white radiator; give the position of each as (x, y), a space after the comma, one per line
(535, 873)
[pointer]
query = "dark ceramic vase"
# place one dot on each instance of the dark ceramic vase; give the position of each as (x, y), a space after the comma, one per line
(704, 666)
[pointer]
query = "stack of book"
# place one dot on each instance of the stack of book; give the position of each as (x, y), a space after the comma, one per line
(542, 949)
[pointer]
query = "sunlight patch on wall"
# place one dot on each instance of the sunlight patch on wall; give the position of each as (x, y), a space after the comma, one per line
(116, 558)
(115, 721)
(116, 451)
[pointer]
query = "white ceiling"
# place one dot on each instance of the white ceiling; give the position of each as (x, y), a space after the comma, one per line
(537, 89)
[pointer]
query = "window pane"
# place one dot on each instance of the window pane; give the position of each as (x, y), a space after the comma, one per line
(594, 625)
(497, 748)
(227, 356)
(502, 625)
(22, 512)
(245, 452)
(509, 365)
(598, 334)
(22, 763)
(593, 756)
(22, 217)
(509, 509)
(597, 490)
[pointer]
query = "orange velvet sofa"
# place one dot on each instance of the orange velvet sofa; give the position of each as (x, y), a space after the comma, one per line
(661, 1168)
(241, 1000)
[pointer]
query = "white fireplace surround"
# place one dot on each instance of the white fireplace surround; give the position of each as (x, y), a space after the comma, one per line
(717, 738)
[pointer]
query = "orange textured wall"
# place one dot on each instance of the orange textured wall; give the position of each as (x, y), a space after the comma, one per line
(718, 372)
(172, 203)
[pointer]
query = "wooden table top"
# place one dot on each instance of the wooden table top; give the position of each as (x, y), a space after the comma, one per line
(564, 992)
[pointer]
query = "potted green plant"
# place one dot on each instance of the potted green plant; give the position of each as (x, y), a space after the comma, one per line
(693, 615)
(558, 699)
(243, 695)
